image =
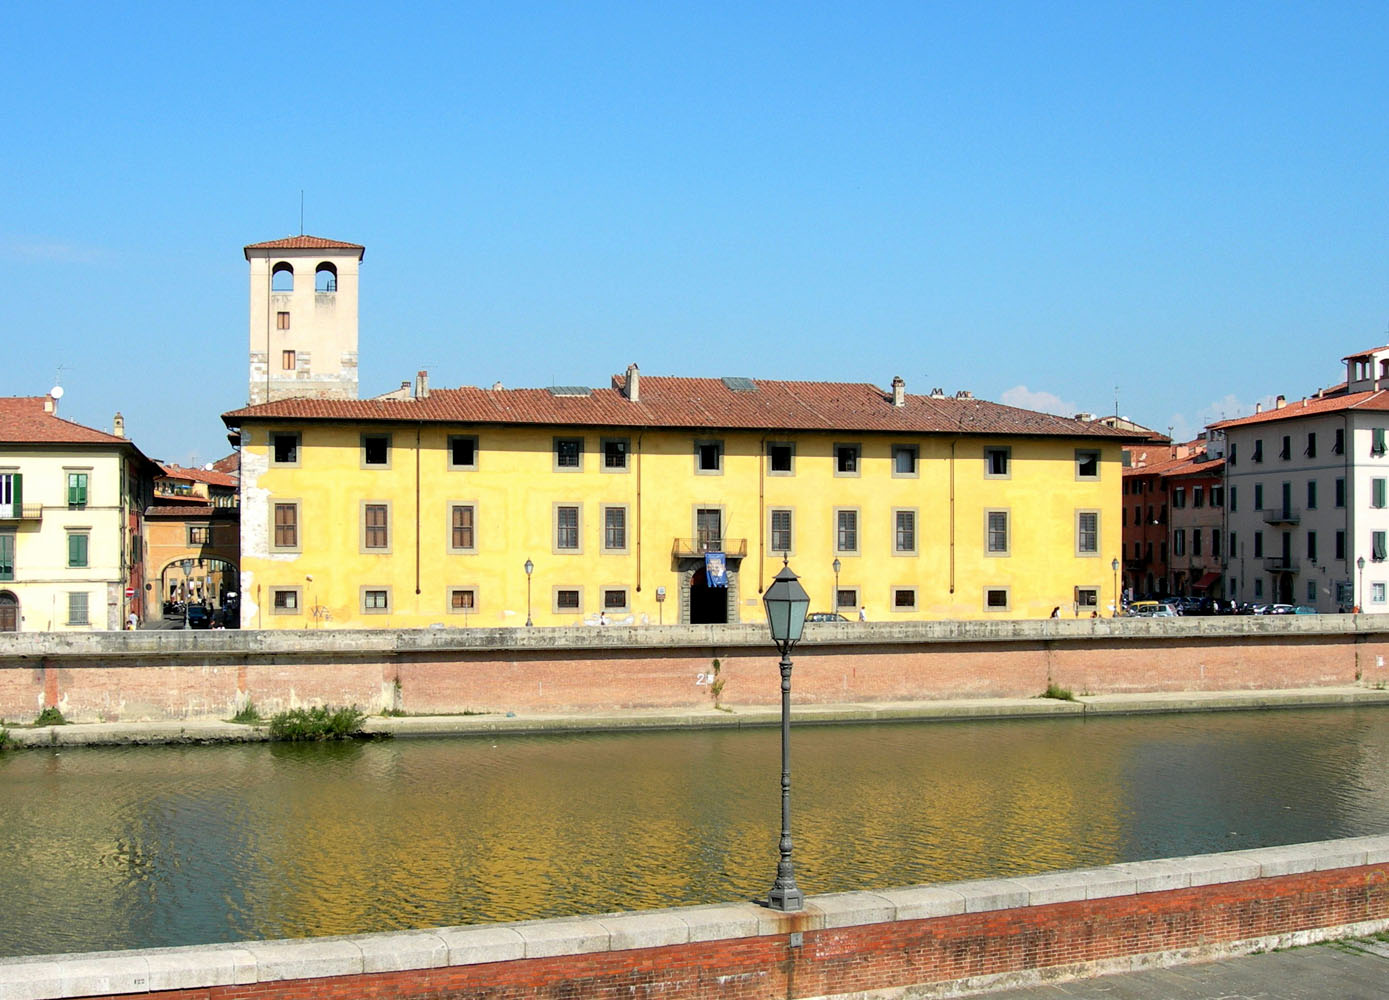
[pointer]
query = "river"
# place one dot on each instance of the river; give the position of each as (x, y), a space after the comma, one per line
(148, 847)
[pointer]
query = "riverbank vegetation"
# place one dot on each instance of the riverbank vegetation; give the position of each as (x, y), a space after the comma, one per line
(321, 722)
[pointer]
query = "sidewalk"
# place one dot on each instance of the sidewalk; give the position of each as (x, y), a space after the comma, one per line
(1340, 970)
(734, 716)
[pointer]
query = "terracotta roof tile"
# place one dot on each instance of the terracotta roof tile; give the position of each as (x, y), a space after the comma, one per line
(304, 243)
(1374, 400)
(703, 403)
(211, 477)
(24, 421)
(186, 510)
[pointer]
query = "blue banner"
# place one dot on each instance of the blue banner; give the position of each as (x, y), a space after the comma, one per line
(715, 570)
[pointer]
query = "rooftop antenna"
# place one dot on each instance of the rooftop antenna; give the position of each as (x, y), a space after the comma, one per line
(1116, 402)
(301, 211)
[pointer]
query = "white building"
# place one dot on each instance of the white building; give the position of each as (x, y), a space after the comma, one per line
(71, 516)
(1306, 496)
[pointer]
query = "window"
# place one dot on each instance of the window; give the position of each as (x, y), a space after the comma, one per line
(614, 529)
(199, 534)
(1286, 451)
(1311, 546)
(1311, 494)
(615, 599)
(846, 531)
(1215, 543)
(846, 459)
(1087, 598)
(780, 455)
(708, 457)
(708, 522)
(376, 535)
(904, 458)
(376, 451)
(1377, 493)
(462, 451)
(1258, 545)
(282, 321)
(1179, 498)
(462, 527)
(1311, 591)
(1258, 496)
(11, 494)
(996, 599)
(1259, 450)
(77, 609)
(77, 490)
(1340, 545)
(1198, 497)
(462, 600)
(1377, 591)
(282, 277)
(1217, 496)
(1087, 464)
(566, 528)
(997, 462)
(1259, 587)
(567, 601)
(284, 448)
(1377, 441)
(6, 556)
(1311, 450)
(77, 549)
(904, 532)
(615, 454)
(569, 454)
(1377, 546)
(1179, 542)
(1340, 492)
(996, 532)
(1234, 499)
(376, 600)
(1196, 542)
(781, 531)
(846, 597)
(1234, 544)
(286, 525)
(903, 598)
(1162, 550)
(1088, 533)
(287, 360)
(1232, 452)
(285, 600)
(325, 278)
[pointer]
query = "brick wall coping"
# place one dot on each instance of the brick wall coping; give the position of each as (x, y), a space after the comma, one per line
(42, 977)
(339, 643)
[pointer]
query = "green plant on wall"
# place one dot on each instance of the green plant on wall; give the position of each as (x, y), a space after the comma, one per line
(716, 686)
(50, 716)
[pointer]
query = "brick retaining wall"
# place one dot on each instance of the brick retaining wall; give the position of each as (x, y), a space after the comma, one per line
(934, 939)
(144, 676)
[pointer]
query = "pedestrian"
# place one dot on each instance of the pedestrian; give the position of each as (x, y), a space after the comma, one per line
(602, 618)
(1056, 611)
(132, 621)
(863, 613)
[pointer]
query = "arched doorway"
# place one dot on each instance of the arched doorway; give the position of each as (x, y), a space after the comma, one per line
(9, 612)
(708, 605)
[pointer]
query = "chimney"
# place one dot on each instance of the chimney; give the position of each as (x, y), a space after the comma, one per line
(1258, 407)
(405, 388)
(497, 386)
(118, 426)
(632, 388)
(899, 391)
(422, 385)
(1281, 401)
(50, 405)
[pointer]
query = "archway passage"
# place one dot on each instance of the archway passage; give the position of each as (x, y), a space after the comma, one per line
(708, 605)
(9, 612)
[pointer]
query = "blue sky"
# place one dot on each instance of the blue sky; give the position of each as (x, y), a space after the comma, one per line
(1041, 203)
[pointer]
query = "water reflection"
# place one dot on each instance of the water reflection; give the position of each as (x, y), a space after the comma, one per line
(139, 847)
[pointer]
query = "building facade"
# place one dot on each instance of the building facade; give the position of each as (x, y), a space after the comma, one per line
(669, 500)
(193, 536)
(1196, 493)
(71, 526)
(1306, 497)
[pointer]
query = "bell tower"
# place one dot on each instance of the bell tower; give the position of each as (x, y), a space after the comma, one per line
(303, 339)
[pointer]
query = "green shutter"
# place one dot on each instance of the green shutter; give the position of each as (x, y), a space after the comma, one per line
(77, 550)
(17, 492)
(6, 557)
(1378, 492)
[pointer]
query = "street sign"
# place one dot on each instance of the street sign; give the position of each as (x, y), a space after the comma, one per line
(129, 593)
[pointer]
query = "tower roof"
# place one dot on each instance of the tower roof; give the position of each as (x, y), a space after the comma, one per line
(304, 243)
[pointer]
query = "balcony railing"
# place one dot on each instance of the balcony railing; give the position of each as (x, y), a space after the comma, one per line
(692, 548)
(1282, 515)
(1280, 564)
(21, 511)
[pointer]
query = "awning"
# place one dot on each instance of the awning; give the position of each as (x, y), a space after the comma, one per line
(1206, 580)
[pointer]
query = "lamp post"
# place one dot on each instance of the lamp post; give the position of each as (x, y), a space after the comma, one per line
(187, 565)
(530, 568)
(836, 567)
(1360, 596)
(1114, 565)
(786, 602)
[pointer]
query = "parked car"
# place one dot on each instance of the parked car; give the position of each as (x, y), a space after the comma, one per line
(825, 616)
(1303, 609)
(1279, 609)
(199, 616)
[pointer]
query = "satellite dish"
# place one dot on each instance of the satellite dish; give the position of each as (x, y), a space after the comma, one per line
(207, 467)
(56, 392)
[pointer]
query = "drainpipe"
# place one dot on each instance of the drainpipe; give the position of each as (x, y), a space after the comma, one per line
(953, 442)
(640, 432)
(761, 512)
(418, 429)
(1352, 546)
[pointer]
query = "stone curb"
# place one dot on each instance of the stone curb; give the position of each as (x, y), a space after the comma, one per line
(45, 977)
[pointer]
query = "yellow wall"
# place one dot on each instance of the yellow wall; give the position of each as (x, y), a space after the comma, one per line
(516, 486)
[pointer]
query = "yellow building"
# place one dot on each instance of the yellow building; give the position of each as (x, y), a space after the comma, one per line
(568, 505)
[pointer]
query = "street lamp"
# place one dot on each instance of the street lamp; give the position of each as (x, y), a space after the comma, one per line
(1114, 565)
(1360, 565)
(787, 603)
(530, 568)
(836, 567)
(187, 565)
